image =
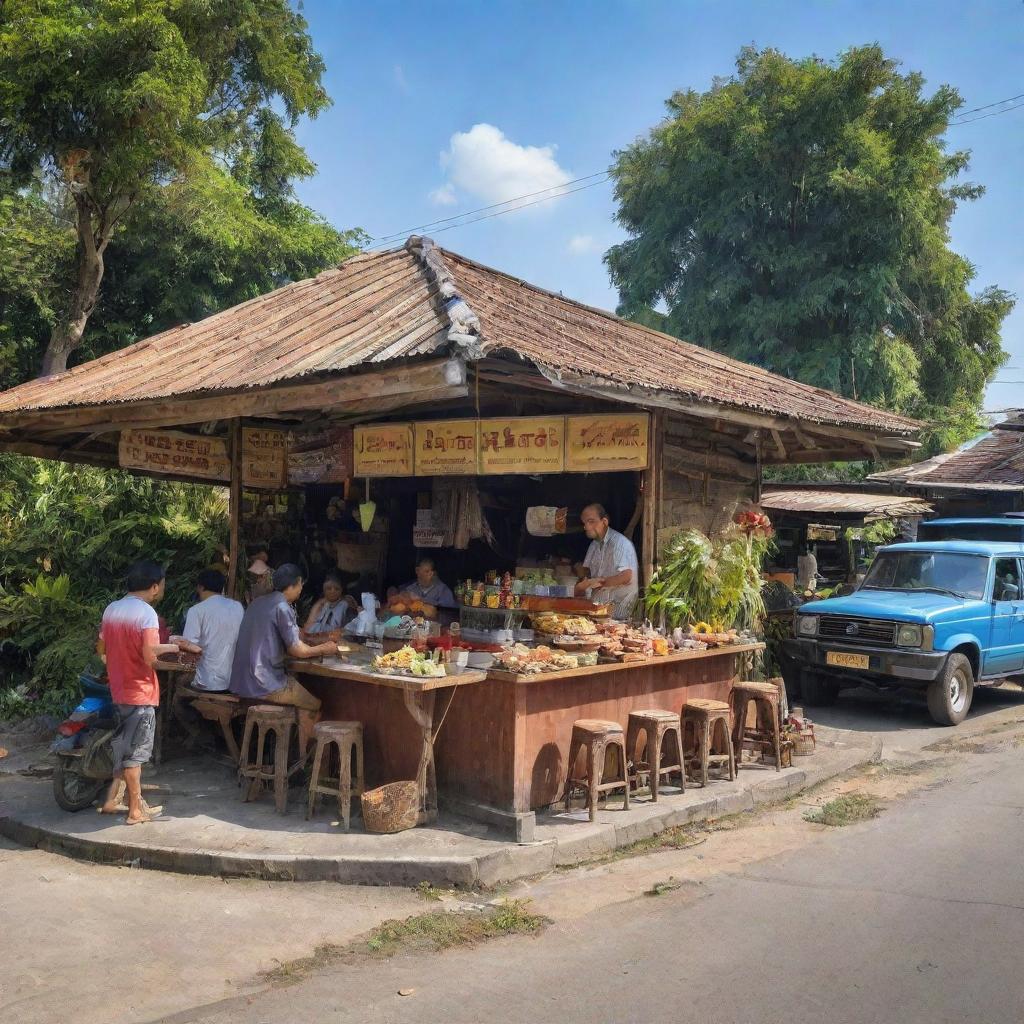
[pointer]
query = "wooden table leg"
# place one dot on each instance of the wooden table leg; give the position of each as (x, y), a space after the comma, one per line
(421, 706)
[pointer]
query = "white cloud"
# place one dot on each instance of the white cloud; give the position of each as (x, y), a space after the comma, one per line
(444, 196)
(580, 245)
(488, 165)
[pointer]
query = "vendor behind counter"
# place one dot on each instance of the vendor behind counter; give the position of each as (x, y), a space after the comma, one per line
(428, 588)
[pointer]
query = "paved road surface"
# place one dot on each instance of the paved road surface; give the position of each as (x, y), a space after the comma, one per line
(917, 916)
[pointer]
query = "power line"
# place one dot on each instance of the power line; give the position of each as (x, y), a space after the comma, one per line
(469, 216)
(499, 213)
(981, 117)
(558, 190)
(998, 103)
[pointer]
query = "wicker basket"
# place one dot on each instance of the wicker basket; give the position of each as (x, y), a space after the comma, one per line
(803, 743)
(391, 808)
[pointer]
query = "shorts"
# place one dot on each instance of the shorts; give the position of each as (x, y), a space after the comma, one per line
(136, 729)
(295, 694)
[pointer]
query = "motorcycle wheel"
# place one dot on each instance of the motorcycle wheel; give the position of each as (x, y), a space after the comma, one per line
(72, 790)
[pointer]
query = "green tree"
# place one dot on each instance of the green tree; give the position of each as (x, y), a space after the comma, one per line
(796, 216)
(118, 99)
(67, 533)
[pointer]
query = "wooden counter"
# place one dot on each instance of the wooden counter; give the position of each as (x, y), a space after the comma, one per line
(397, 713)
(342, 668)
(501, 750)
(587, 670)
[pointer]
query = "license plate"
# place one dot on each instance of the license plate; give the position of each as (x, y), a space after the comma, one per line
(847, 660)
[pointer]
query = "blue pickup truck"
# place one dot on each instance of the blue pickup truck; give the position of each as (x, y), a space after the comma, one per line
(940, 615)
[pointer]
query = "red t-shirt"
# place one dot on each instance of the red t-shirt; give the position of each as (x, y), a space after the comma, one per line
(127, 624)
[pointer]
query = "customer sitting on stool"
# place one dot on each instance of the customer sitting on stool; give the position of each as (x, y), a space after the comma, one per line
(268, 634)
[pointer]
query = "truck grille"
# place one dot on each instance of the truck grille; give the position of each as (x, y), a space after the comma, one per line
(857, 631)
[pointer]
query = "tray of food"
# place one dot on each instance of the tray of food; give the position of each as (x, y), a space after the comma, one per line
(408, 662)
(523, 660)
(555, 624)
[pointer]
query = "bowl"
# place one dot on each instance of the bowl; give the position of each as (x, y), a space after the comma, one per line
(480, 659)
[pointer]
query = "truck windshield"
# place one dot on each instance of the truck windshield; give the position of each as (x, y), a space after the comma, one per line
(947, 573)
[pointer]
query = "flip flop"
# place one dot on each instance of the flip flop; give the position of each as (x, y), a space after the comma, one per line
(148, 819)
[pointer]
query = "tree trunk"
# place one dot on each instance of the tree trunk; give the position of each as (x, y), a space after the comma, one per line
(67, 333)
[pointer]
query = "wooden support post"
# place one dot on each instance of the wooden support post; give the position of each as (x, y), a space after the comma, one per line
(235, 498)
(651, 496)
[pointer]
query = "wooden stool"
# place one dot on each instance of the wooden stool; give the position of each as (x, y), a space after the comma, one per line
(767, 733)
(222, 708)
(708, 717)
(347, 737)
(657, 726)
(281, 720)
(597, 736)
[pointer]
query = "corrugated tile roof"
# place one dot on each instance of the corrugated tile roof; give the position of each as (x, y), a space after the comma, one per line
(840, 502)
(996, 460)
(386, 306)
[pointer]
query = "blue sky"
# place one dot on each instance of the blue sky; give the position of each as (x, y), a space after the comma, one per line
(443, 108)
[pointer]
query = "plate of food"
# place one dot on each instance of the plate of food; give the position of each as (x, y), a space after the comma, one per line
(576, 644)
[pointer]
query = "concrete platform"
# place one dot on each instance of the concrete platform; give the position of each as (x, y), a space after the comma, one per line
(210, 831)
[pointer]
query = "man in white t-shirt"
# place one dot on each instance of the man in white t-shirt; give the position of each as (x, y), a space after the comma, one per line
(213, 625)
(611, 564)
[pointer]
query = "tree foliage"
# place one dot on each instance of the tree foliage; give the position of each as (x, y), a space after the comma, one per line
(796, 216)
(126, 103)
(67, 534)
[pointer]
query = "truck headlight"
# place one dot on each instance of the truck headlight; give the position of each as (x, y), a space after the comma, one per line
(910, 635)
(807, 625)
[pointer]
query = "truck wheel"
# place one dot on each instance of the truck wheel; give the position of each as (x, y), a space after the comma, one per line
(949, 697)
(817, 691)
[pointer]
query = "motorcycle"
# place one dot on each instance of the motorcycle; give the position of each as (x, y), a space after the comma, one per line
(83, 748)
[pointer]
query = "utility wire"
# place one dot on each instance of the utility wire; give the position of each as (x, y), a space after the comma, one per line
(981, 117)
(488, 216)
(558, 190)
(469, 216)
(987, 106)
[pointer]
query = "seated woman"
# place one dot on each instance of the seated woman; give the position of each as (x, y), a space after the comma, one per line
(330, 613)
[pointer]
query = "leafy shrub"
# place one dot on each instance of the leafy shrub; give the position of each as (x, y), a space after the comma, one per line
(67, 533)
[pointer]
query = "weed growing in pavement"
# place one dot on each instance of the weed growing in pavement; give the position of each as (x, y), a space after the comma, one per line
(440, 930)
(847, 809)
(660, 888)
(430, 932)
(429, 892)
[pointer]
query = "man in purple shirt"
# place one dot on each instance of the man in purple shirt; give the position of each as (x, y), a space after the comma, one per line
(269, 633)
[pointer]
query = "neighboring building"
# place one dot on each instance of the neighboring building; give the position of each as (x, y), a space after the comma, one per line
(984, 477)
(815, 519)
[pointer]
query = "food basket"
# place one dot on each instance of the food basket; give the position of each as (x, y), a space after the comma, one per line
(391, 808)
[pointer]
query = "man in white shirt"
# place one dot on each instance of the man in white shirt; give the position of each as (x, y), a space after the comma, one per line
(611, 564)
(213, 625)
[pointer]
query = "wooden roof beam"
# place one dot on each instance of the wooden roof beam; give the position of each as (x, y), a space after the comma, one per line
(409, 382)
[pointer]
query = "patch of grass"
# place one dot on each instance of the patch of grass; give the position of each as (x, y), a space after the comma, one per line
(430, 932)
(439, 930)
(660, 888)
(429, 892)
(847, 809)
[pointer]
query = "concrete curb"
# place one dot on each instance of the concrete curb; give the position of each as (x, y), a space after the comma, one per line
(507, 864)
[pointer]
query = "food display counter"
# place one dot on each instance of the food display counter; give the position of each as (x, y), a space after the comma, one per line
(499, 742)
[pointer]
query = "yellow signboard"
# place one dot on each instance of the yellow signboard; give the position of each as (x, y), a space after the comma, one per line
(525, 444)
(264, 458)
(384, 449)
(446, 448)
(174, 452)
(606, 442)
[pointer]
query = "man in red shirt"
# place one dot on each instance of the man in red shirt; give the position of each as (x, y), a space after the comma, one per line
(130, 642)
